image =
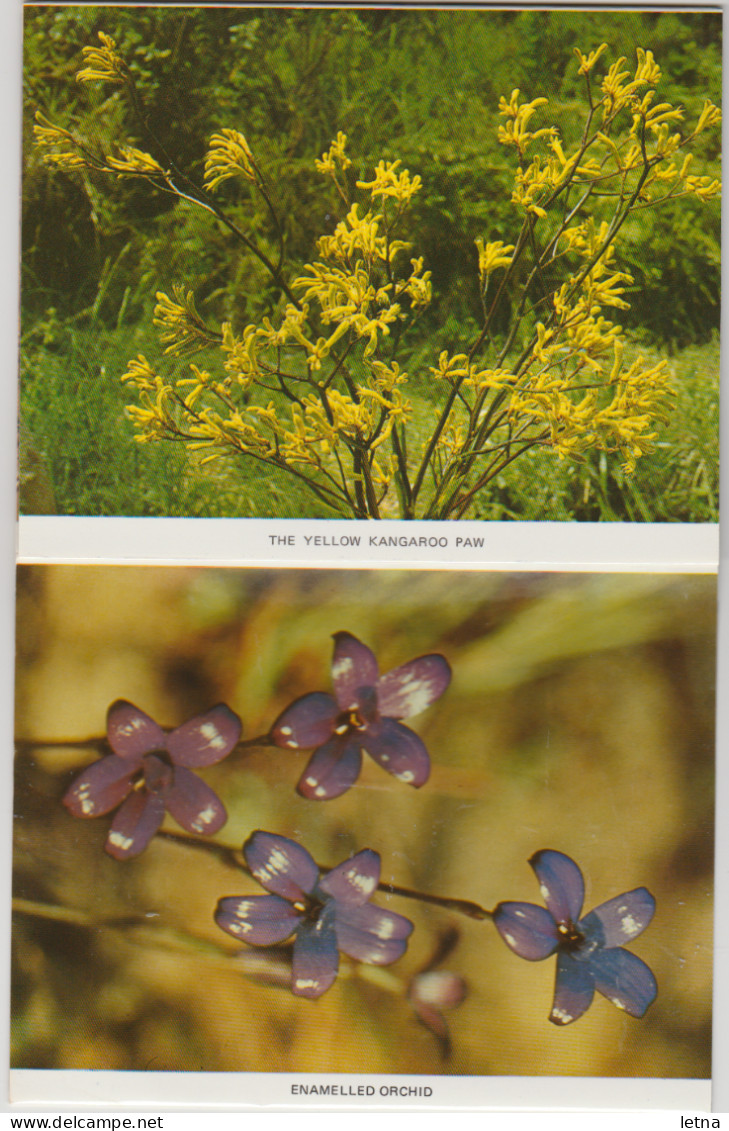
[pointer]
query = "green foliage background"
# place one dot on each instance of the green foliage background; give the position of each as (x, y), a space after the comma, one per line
(422, 86)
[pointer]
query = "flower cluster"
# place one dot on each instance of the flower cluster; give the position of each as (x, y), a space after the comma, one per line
(328, 911)
(303, 389)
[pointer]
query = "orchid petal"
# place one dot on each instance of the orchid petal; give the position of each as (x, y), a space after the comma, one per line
(316, 957)
(135, 824)
(353, 667)
(354, 881)
(332, 769)
(101, 786)
(529, 930)
(621, 919)
(371, 934)
(409, 689)
(280, 865)
(398, 750)
(205, 739)
(624, 979)
(574, 990)
(308, 721)
(193, 804)
(262, 920)
(561, 884)
(130, 732)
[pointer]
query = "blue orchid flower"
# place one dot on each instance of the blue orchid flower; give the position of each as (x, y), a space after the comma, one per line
(363, 714)
(589, 952)
(149, 772)
(325, 914)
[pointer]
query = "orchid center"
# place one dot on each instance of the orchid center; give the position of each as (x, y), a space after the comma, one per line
(309, 907)
(156, 773)
(570, 937)
(349, 720)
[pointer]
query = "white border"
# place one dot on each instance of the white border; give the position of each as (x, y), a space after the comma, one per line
(256, 1091)
(348, 544)
(695, 551)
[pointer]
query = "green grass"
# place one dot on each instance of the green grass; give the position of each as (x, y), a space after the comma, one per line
(79, 455)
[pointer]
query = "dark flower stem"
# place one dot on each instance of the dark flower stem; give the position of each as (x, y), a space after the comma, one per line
(233, 857)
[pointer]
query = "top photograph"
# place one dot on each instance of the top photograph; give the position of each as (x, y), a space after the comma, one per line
(371, 263)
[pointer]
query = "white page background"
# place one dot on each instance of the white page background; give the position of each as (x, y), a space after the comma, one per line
(10, 101)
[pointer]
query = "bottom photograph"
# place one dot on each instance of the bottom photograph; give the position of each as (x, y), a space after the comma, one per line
(363, 821)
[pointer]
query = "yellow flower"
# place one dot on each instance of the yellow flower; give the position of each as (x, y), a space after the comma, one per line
(103, 63)
(182, 327)
(334, 156)
(587, 62)
(492, 256)
(134, 161)
(229, 155)
(402, 186)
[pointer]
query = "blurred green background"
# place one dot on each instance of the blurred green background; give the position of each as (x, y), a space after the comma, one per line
(580, 718)
(422, 86)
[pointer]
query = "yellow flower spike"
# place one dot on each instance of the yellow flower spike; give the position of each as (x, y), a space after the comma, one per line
(181, 326)
(703, 187)
(709, 116)
(141, 373)
(103, 63)
(492, 256)
(229, 155)
(135, 162)
(58, 146)
(402, 187)
(511, 108)
(587, 62)
(334, 156)
(647, 70)
(515, 132)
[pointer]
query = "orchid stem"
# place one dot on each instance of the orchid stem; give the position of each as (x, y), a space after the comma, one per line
(233, 857)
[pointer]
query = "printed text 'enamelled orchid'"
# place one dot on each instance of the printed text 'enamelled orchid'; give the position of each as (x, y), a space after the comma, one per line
(148, 773)
(589, 952)
(363, 714)
(326, 914)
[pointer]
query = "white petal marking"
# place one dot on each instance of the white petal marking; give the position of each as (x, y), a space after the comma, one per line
(629, 925)
(204, 819)
(306, 984)
(365, 884)
(212, 736)
(120, 841)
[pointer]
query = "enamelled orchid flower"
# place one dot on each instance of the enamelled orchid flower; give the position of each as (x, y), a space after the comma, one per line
(589, 954)
(149, 772)
(363, 714)
(326, 914)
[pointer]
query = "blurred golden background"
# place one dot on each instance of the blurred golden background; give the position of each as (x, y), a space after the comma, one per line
(580, 718)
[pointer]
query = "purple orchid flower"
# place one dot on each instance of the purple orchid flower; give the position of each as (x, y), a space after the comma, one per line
(326, 914)
(589, 954)
(148, 773)
(363, 714)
